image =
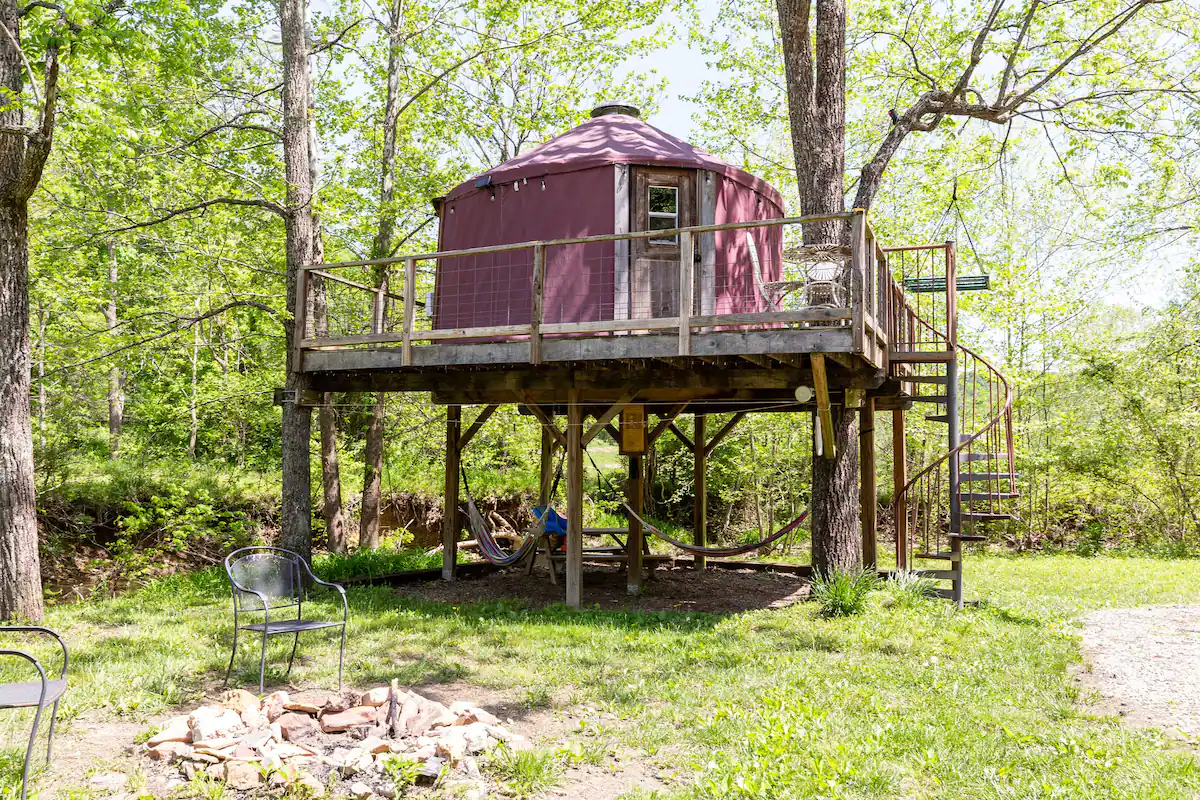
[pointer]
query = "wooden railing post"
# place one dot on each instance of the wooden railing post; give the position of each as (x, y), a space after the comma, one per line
(858, 267)
(686, 272)
(410, 301)
(538, 312)
(951, 296)
(300, 319)
(899, 481)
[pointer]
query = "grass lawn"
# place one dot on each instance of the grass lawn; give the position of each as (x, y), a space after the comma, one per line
(912, 702)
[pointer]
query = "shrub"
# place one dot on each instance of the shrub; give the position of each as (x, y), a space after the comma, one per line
(844, 594)
(908, 588)
(525, 773)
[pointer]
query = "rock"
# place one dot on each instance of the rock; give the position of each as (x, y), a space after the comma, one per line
(424, 752)
(204, 758)
(360, 791)
(337, 703)
(471, 767)
(309, 782)
(242, 775)
(474, 714)
(309, 701)
(170, 752)
(244, 752)
(514, 740)
(350, 718)
(175, 729)
(286, 750)
(259, 739)
(452, 745)
(375, 697)
(430, 715)
(373, 744)
(430, 771)
(109, 781)
(297, 727)
(212, 722)
(254, 718)
(189, 770)
(410, 707)
(476, 793)
(239, 700)
(387, 790)
(274, 704)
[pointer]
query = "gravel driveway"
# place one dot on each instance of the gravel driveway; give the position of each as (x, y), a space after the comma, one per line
(1145, 662)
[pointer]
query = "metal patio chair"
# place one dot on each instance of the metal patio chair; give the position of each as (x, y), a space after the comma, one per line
(266, 579)
(34, 694)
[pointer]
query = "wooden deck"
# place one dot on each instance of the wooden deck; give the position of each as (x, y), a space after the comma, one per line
(709, 358)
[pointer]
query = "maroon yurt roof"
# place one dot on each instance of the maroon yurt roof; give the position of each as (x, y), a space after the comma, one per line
(613, 139)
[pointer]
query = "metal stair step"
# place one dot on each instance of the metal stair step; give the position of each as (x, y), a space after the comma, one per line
(968, 537)
(967, 477)
(916, 357)
(980, 457)
(940, 399)
(937, 556)
(982, 516)
(938, 379)
(969, 496)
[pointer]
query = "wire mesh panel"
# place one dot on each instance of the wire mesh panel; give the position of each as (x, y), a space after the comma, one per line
(271, 575)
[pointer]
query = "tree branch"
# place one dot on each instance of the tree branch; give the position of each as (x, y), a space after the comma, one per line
(228, 201)
(183, 325)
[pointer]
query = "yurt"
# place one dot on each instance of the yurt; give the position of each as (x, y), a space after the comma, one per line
(613, 174)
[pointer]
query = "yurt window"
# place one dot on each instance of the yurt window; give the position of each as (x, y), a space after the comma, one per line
(664, 211)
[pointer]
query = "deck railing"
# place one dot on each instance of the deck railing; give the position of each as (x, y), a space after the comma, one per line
(372, 303)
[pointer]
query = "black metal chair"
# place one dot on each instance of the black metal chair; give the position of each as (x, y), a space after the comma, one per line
(266, 579)
(34, 694)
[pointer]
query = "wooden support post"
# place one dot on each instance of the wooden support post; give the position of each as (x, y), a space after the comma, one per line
(607, 417)
(686, 272)
(377, 310)
(451, 521)
(869, 493)
(410, 301)
(956, 582)
(700, 482)
(899, 479)
(574, 499)
(300, 330)
(858, 268)
(633, 542)
(539, 304)
(547, 482)
(821, 385)
(466, 436)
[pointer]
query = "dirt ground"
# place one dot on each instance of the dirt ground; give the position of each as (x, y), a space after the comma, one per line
(668, 589)
(1145, 665)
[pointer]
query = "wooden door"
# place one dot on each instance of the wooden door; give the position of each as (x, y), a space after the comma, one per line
(662, 199)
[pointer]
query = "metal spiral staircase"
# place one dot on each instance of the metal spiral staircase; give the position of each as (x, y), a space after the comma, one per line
(959, 459)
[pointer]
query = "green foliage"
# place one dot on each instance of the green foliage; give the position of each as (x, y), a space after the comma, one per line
(525, 773)
(908, 589)
(402, 772)
(768, 703)
(844, 594)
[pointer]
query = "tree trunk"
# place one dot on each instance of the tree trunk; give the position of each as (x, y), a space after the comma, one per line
(194, 410)
(20, 569)
(817, 113)
(296, 427)
(837, 540)
(116, 393)
(368, 523)
(41, 365)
